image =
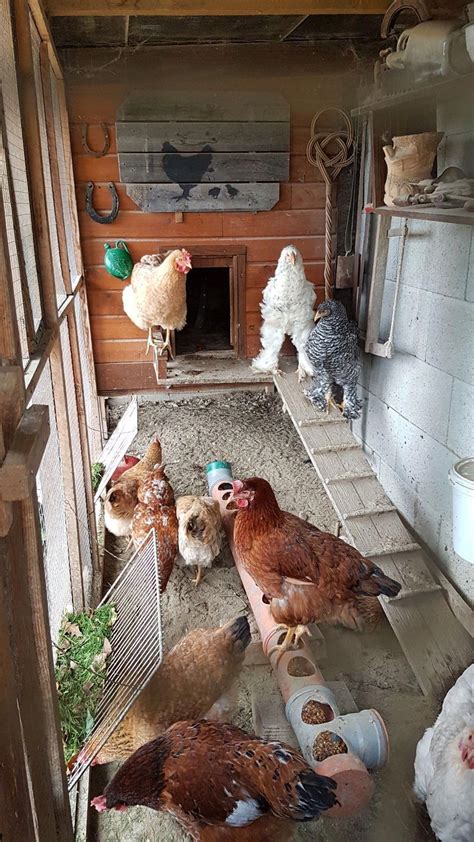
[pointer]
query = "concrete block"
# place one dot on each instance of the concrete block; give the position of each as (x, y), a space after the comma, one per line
(423, 464)
(402, 495)
(411, 318)
(437, 257)
(427, 523)
(456, 568)
(470, 274)
(375, 428)
(450, 345)
(417, 391)
(455, 115)
(461, 419)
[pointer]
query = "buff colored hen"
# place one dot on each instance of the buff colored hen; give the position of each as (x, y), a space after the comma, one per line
(209, 773)
(156, 294)
(194, 675)
(200, 531)
(122, 498)
(156, 510)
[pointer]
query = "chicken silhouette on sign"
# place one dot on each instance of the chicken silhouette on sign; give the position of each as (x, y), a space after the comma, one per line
(186, 170)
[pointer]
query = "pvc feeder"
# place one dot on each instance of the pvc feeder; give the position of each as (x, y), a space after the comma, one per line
(343, 747)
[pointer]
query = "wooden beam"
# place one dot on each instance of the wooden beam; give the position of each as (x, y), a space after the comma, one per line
(23, 457)
(42, 25)
(10, 350)
(86, 8)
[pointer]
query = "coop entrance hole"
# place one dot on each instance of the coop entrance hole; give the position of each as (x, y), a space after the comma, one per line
(209, 321)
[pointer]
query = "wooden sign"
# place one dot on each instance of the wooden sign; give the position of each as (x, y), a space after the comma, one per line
(185, 152)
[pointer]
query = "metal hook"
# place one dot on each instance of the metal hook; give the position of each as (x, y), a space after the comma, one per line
(103, 220)
(106, 146)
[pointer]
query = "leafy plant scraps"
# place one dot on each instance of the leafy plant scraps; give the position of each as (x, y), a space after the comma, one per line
(97, 472)
(83, 648)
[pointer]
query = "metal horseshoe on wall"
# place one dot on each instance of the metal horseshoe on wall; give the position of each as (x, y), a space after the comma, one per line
(106, 146)
(103, 220)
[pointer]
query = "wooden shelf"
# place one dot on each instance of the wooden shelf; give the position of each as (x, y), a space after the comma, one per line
(457, 215)
(436, 89)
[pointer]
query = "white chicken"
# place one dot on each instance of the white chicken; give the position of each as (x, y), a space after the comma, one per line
(444, 764)
(287, 308)
(199, 531)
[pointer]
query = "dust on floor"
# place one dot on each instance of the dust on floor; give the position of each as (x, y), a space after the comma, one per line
(251, 431)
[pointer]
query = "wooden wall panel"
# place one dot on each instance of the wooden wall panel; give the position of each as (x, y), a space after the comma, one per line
(298, 217)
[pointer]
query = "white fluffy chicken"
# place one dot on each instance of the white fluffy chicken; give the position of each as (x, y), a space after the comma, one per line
(156, 294)
(444, 764)
(199, 531)
(287, 308)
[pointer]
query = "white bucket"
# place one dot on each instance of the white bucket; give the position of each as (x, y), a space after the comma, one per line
(461, 477)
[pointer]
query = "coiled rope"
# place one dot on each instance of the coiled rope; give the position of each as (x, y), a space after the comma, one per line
(330, 166)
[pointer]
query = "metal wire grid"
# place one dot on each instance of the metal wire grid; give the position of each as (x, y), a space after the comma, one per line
(136, 641)
(48, 187)
(88, 390)
(51, 498)
(117, 444)
(74, 271)
(18, 166)
(78, 467)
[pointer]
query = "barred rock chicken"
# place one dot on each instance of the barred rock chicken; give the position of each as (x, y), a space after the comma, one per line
(444, 764)
(287, 308)
(122, 498)
(156, 294)
(199, 531)
(194, 675)
(209, 773)
(156, 510)
(333, 351)
(306, 575)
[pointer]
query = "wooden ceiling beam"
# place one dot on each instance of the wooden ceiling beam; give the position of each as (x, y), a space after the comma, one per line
(90, 8)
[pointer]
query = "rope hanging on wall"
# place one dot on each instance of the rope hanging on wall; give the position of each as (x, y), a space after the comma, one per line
(330, 166)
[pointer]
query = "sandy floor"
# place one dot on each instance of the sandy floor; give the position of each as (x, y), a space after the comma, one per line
(251, 431)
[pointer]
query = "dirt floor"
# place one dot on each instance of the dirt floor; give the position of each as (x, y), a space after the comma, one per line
(252, 432)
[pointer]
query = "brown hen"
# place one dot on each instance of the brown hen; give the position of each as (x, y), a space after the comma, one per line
(193, 676)
(306, 575)
(156, 510)
(123, 496)
(209, 773)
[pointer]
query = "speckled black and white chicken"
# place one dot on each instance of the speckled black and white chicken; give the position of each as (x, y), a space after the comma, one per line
(333, 351)
(287, 309)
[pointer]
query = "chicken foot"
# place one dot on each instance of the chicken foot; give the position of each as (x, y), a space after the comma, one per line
(199, 576)
(158, 345)
(291, 640)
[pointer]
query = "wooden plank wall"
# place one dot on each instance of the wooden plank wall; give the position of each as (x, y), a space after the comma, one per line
(298, 217)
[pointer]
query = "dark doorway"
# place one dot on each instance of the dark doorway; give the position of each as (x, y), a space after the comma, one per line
(208, 325)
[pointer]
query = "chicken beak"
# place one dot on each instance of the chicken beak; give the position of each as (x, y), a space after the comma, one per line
(293, 258)
(317, 316)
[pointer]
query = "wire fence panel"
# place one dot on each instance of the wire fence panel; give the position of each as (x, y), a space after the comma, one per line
(16, 155)
(68, 223)
(52, 514)
(77, 461)
(48, 187)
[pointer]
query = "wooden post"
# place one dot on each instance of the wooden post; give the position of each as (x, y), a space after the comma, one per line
(33, 793)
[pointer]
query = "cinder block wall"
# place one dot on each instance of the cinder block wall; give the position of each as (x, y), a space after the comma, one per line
(418, 418)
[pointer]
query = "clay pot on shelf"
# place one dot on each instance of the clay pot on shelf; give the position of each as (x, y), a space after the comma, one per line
(409, 160)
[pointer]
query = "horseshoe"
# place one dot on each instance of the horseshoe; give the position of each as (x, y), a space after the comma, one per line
(86, 146)
(103, 220)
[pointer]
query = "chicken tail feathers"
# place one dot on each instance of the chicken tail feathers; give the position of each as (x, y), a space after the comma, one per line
(377, 583)
(315, 793)
(239, 632)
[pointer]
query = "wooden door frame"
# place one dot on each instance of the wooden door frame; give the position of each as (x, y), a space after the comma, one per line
(235, 258)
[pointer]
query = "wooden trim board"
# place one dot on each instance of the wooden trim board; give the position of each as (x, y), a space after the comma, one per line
(436, 645)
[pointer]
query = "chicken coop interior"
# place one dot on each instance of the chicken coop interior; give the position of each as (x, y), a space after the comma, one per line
(236, 420)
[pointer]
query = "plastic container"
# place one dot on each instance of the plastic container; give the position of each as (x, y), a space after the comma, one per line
(218, 472)
(118, 260)
(461, 477)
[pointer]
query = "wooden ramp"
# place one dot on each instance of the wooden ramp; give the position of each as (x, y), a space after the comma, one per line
(435, 643)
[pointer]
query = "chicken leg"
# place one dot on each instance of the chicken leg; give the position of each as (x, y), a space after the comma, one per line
(291, 640)
(200, 575)
(158, 345)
